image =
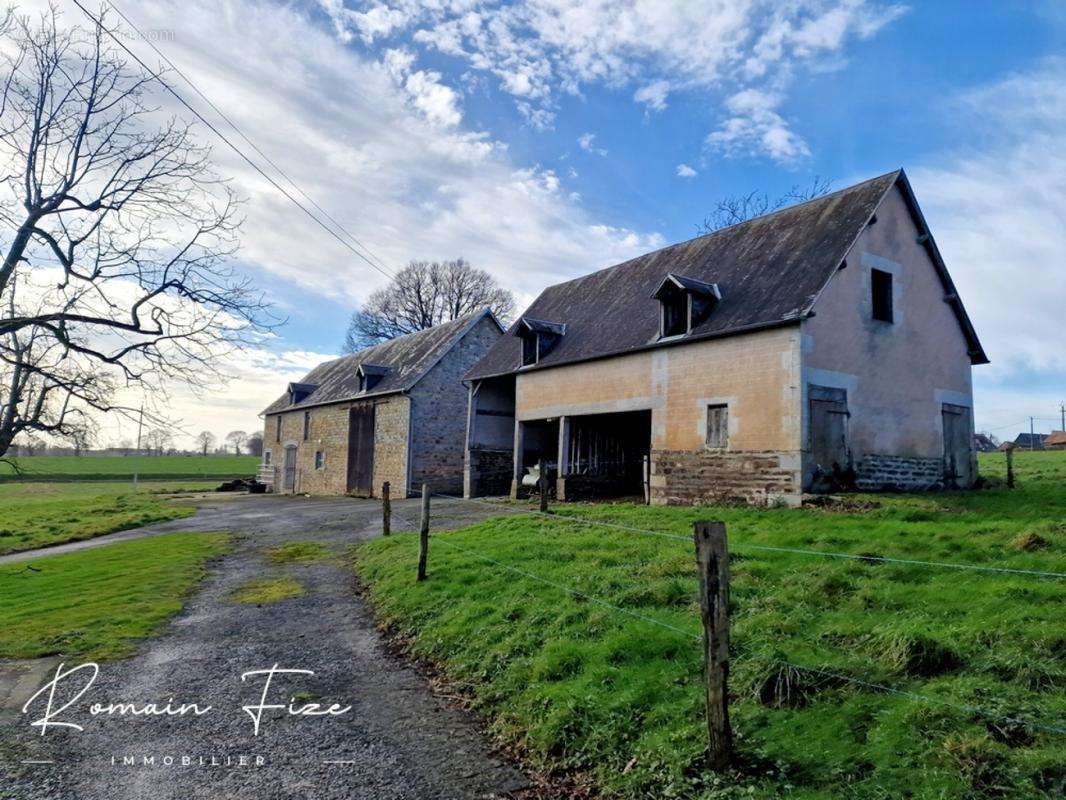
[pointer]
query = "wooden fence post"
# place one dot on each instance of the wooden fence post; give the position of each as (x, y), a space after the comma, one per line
(712, 561)
(647, 480)
(542, 481)
(1010, 465)
(386, 510)
(423, 534)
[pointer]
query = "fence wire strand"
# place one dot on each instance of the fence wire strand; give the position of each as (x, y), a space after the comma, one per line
(442, 538)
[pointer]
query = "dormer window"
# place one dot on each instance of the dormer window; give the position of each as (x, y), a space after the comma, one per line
(298, 392)
(370, 375)
(684, 303)
(538, 338)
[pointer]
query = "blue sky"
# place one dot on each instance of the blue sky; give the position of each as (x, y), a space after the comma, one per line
(545, 139)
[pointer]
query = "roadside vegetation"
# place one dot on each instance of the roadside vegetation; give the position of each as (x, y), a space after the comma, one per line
(581, 686)
(297, 553)
(268, 590)
(42, 514)
(96, 604)
(102, 468)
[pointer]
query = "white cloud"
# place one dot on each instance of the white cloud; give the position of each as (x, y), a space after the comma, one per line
(586, 142)
(756, 128)
(998, 211)
(685, 171)
(539, 49)
(653, 95)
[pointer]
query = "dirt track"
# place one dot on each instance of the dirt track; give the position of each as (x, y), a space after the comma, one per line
(398, 740)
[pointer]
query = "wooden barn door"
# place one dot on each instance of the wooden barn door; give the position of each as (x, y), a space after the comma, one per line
(288, 483)
(957, 466)
(830, 455)
(361, 450)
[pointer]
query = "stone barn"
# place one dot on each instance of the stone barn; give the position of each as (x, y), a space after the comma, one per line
(816, 348)
(393, 412)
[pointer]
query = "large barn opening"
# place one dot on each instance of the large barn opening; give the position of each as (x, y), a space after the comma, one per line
(587, 456)
(604, 456)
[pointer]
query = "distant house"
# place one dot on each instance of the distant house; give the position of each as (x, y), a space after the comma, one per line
(1030, 441)
(393, 412)
(1056, 440)
(982, 443)
(818, 347)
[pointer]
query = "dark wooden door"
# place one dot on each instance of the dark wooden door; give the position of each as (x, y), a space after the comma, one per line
(828, 427)
(289, 480)
(361, 450)
(958, 468)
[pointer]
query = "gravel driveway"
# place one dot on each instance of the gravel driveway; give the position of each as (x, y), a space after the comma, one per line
(399, 739)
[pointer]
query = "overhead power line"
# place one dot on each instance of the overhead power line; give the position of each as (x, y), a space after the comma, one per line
(99, 23)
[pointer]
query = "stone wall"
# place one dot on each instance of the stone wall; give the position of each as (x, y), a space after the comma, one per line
(684, 477)
(439, 413)
(328, 434)
(898, 473)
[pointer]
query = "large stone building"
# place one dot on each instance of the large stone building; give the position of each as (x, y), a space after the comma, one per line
(819, 347)
(392, 412)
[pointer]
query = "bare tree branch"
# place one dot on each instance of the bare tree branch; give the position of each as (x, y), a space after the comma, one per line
(740, 208)
(424, 294)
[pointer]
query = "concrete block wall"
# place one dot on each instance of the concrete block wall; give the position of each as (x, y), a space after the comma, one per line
(898, 473)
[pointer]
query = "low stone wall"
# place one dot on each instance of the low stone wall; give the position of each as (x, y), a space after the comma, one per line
(488, 472)
(686, 477)
(878, 473)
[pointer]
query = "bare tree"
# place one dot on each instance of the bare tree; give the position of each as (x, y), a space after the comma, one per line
(205, 440)
(119, 235)
(424, 294)
(255, 444)
(158, 440)
(83, 437)
(237, 439)
(741, 207)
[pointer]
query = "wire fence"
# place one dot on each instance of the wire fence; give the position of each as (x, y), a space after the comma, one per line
(1054, 727)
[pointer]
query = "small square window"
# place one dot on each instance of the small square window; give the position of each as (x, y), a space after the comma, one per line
(320, 459)
(881, 294)
(266, 458)
(529, 349)
(675, 315)
(718, 426)
(307, 425)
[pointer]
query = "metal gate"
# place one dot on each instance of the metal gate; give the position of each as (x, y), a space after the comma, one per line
(958, 467)
(361, 450)
(289, 481)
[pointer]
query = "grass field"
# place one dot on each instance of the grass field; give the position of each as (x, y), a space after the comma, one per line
(41, 514)
(579, 686)
(99, 468)
(95, 604)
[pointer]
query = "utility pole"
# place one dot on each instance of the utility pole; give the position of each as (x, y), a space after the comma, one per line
(137, 452)
(1032, 435)
(1062, 410)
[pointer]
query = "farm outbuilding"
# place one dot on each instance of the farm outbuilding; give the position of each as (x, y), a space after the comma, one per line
(393, 412)
(816, 348)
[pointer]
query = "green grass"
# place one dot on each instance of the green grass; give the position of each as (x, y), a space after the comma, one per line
(99, 468)
(297, 553)
(268, 590)
(41, 514)
(582, 687)
(95, 604)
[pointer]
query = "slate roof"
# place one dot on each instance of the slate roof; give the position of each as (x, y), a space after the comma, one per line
(1036, 440)
(770, 270)
(406, 359)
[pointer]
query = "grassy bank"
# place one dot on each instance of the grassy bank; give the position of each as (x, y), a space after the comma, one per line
(102, 468)
(96, 604)
(582, 686)
(41, 514)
